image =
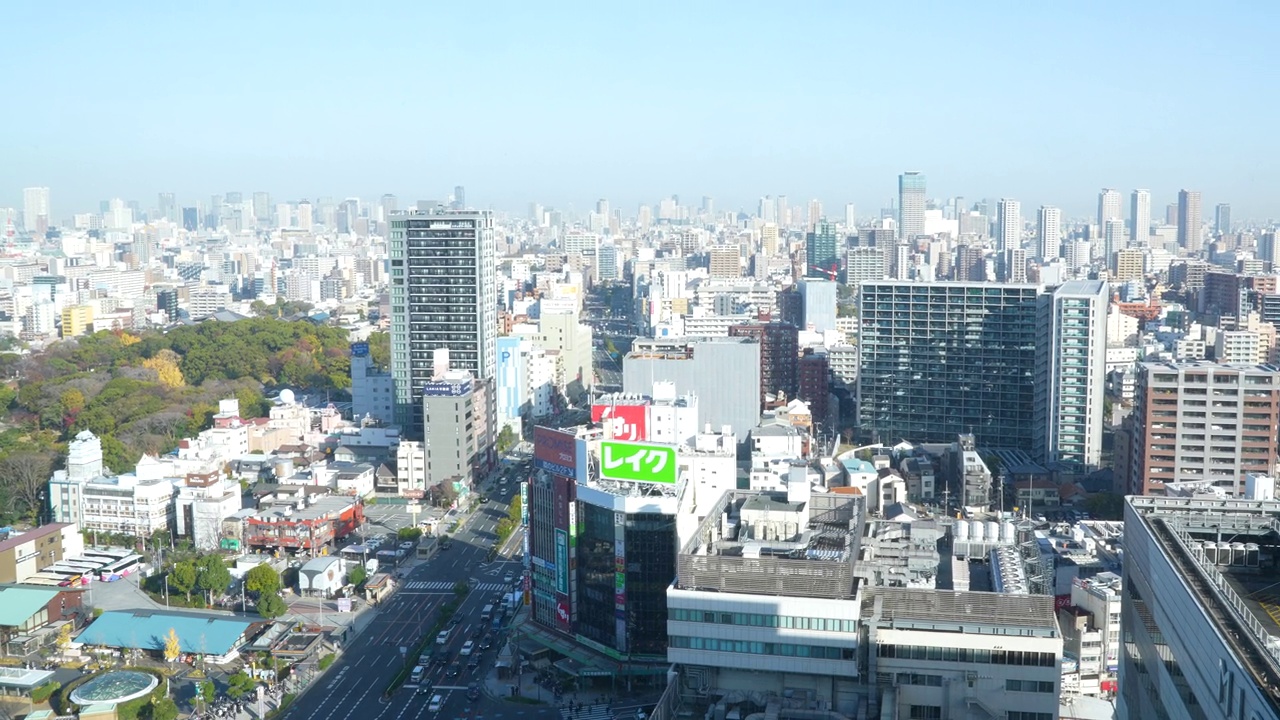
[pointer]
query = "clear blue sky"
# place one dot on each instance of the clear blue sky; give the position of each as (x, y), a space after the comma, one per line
(566, 102)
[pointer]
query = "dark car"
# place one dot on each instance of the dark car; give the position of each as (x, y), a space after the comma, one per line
(473, 691)
(486, 642)
(473, 662)
(453, 671)
(477, 631)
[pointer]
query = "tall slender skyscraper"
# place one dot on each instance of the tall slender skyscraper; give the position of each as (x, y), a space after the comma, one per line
(35, 209)
(460, 198)
(1189, 224)
(1222, 219)
(1008, 225)
(1048, 233)
(850, 218)
(1112, 239)
(167, 207)
(262, 208)
(911, 202)
(1108, 207)
(822, 251)
(443, 296)
(1140, 218)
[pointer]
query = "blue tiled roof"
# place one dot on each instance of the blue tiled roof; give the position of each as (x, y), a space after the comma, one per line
(146, 630)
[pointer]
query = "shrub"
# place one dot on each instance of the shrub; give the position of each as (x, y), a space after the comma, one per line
(325, 662)
(44, 692)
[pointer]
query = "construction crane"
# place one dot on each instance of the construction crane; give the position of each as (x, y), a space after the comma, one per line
(831, 274)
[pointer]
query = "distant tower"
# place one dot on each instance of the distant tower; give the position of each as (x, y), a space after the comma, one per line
(911, 201)
(305, 216)
(1140, 218)
(1048, 233)
(1189, 220)
(1222, 219)
(850, 217)
(459, 198)
(1108, 206)
(35, 209)
(1008, 225)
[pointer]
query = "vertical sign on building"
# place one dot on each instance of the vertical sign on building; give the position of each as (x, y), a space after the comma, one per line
(562, 562)
(620, 580)
(528, 556)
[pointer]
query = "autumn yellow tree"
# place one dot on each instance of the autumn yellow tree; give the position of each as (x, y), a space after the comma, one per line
(172, 647)
(64, 637)
(165, 364)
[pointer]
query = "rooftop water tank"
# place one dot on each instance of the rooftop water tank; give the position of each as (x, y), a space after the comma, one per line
(961, 530)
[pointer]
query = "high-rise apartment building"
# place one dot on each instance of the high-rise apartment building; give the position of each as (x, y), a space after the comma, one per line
(1221, 219)
(1129, 265)
(779, 353)
(1048, 233)
(850, 218)
(1071, 372)
(35, 209)
(725, 261)
(1008, 225)
(821, 251)
(1108, 206)
(1202, 421)
(911, 203)
(1199, 637)
(1189, 222)
(1140, 218)
(1112, 239)
(946, 359)
(305, 216)
(443, 297)
(932, 367)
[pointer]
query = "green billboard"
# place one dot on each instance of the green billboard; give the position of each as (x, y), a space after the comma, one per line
(637, 462)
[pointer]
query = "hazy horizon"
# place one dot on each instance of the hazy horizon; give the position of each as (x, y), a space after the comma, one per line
(1043, 103)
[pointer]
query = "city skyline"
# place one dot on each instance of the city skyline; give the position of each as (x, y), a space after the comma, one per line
(571, 105)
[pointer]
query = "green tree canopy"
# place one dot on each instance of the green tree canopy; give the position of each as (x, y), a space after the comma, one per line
(358, 575)
(213, 576)
(271, 606)
(183, 577)
(262, 580)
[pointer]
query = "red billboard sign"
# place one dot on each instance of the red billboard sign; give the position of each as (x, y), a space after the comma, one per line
(563, 618)
(1061, 601)
(623, 422)
(554, 451)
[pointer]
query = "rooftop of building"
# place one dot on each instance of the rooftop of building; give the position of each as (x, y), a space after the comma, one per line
(1224, 550)
(767, 543)
(18, 604)
(1209, 365)
(16, 539)
(146, 630)
(317, 508)
(960, 611)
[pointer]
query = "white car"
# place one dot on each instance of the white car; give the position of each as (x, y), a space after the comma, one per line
(508, 578)
(467, 648)
(437, 702)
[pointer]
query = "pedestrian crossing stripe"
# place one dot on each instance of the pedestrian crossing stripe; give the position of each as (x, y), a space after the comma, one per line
(442, 586)
(591, 712)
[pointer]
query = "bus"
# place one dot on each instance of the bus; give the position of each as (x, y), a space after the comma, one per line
(107, 556)
(78, 565)
(45, 580)
(121, 568)
(66, 577)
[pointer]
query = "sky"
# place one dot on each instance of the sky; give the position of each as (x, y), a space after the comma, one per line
(566, 102)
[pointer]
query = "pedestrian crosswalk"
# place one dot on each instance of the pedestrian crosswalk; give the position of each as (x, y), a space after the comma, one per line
(444, 586)
(588, 712)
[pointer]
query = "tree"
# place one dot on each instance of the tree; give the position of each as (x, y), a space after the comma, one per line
(506, 440)
(1105, 506)
(162, 709)
(24, 475)
(358, 575)
(183, 577)
(271, 606)
(380, 349)
(64, 637)
(213, 577)
(166, 366)
(206, 691)
(513, 510)
(240, 684)
(172, 646)
(408, 533)
(262, 580)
